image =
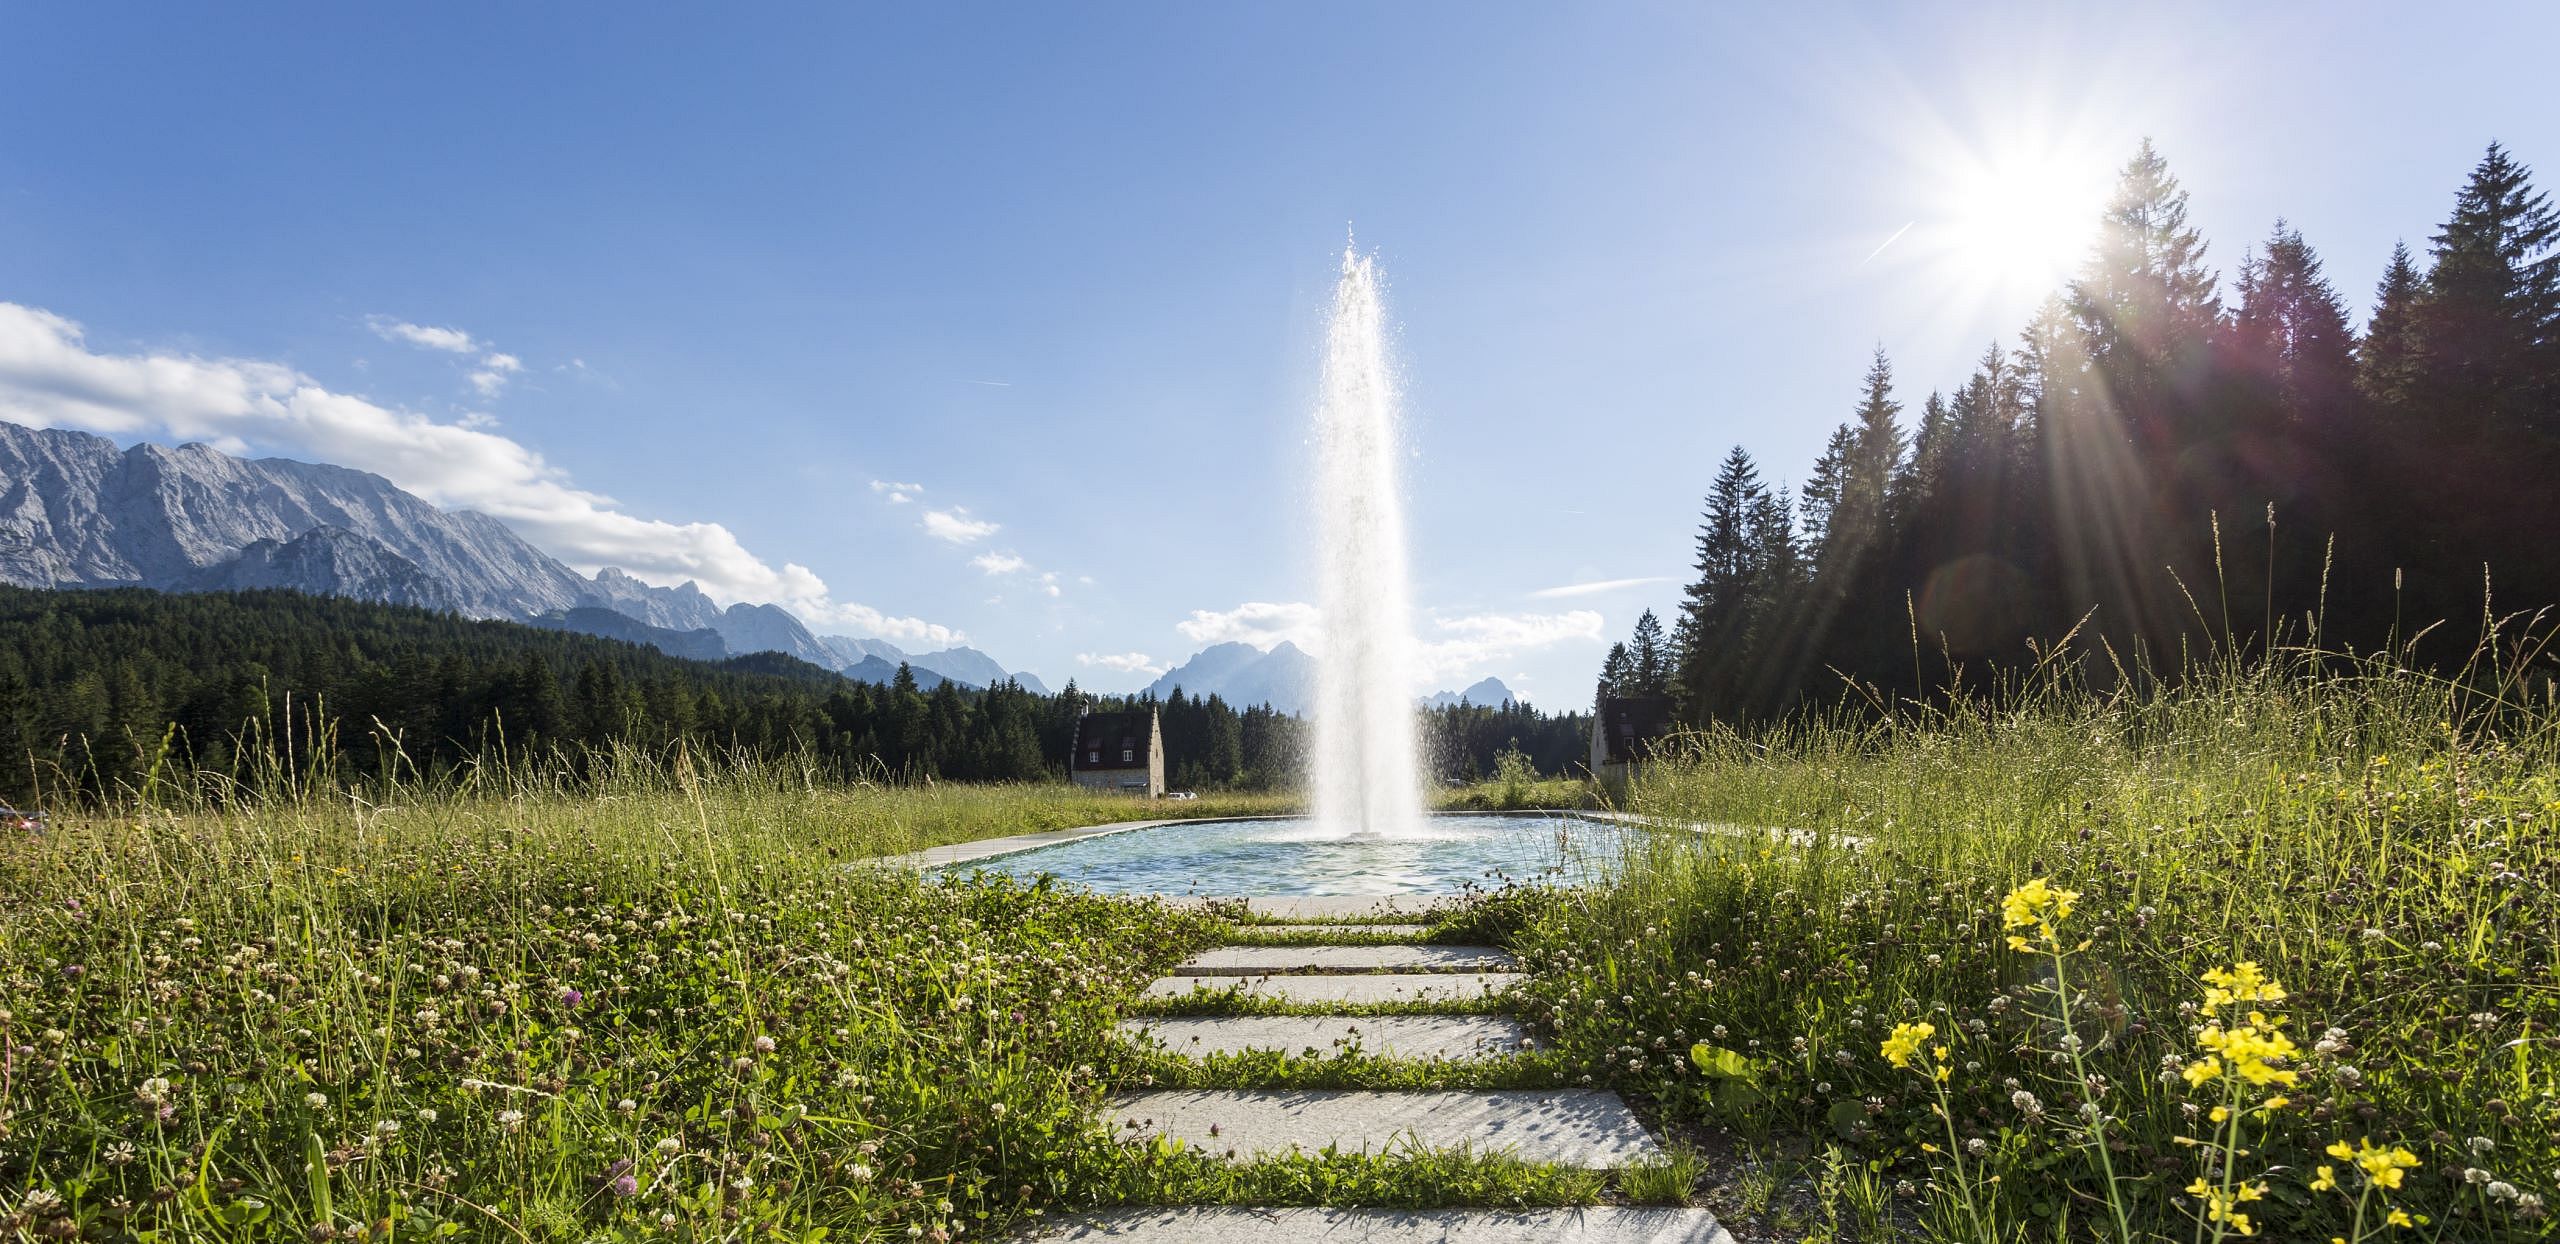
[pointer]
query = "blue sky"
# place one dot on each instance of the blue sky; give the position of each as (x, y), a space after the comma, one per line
(709, 276)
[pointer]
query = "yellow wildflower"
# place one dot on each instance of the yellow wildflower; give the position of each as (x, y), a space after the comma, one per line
(1905, 1042)
(2400, 1218)
(2253, 1050)
(2241, 982)
(2326, 1179)
(2038, 905)
(2382, 1165)
(2225, 1207)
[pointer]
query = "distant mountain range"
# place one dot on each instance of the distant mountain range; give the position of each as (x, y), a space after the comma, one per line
(77, 511)
(1243, 675)
(1285, 679)
(1489, 693)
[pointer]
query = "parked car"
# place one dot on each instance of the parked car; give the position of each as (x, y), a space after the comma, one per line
(22, 820)
(1180, 794)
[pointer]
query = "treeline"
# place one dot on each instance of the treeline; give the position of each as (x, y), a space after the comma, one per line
(2150, 472)
(106, 691)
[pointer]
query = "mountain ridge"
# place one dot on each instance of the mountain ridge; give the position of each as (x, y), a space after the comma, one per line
(79, 511)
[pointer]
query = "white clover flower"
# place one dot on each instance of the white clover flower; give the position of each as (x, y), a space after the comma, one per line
(317, 1101)
(670, 1145)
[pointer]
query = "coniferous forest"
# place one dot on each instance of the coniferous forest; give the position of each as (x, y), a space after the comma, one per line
(2159, 466)
(101, 689)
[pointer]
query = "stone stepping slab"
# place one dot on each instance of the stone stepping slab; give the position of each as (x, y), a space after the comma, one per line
(1360, 987)
(1589, 1128)
(1605, 1224)
(1268, 960)
(1381, 930)
(1382, 1036)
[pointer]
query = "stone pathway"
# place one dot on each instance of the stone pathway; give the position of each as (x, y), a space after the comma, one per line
(1588, 1128)
(1328, 1036)
(1267, 960)
(1337, 988)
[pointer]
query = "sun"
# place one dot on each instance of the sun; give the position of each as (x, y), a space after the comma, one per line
(2011, 220)
(2020, 220)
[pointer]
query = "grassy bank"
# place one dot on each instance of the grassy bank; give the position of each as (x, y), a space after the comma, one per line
(1849, 996)
(670, 1010)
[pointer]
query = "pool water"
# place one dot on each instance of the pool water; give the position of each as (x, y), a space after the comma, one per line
(1298, 856)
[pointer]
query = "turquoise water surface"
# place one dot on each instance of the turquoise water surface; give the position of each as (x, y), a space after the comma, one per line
(1296, 855)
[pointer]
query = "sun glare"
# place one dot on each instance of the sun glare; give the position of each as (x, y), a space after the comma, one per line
(2019, 222)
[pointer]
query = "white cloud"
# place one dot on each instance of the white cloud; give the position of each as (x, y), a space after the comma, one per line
(1262, 624)
(898, 494)
(449, 340)
(1472, 642)
(956, 526)
(1121, 662)
(1049, 583)
(494, 371)
(999, 563)
(49, 378)
(1594, 588)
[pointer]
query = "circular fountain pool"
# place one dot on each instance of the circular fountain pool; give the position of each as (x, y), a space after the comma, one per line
(1298, 856)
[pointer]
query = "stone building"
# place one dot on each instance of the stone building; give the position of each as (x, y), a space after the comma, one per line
(1119, 752)
(1624, 732)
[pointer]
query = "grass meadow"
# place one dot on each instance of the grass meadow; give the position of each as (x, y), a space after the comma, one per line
(2269, 955)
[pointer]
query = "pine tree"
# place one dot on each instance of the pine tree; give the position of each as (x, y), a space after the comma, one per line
(1617, 673)
(1715, 604)
(2292, 331)
(2146, 304)
(2388, 356)
(1649, 657)
(1924, 475)
(1861, 481)
(2491, 323)
(1822, 491)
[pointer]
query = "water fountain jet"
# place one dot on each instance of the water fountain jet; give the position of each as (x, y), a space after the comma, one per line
(1366, 770)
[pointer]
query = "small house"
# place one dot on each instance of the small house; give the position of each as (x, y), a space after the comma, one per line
(1625, 730)
(1120, 752)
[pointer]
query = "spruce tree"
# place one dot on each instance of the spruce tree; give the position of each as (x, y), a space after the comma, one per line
(2388, 355)
(2292, 330)
(1617, 673)
(1715, 603)
(1649, 657)
(2146, 303)
(2491, 324)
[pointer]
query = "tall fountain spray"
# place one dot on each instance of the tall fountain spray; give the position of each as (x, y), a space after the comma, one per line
(1367, 780)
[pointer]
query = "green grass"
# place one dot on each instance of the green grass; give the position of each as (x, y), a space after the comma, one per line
(1276, 1069)
(1169, 1173)
(476, 1016)
(473, 1012)
(2380, 842)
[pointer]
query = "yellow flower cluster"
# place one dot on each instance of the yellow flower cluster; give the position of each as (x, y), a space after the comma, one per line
(2382, 1166)
(2038, 905)
(2224, 1207)
(1905, 1042)
(2241, 982)
(2254, 1051)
